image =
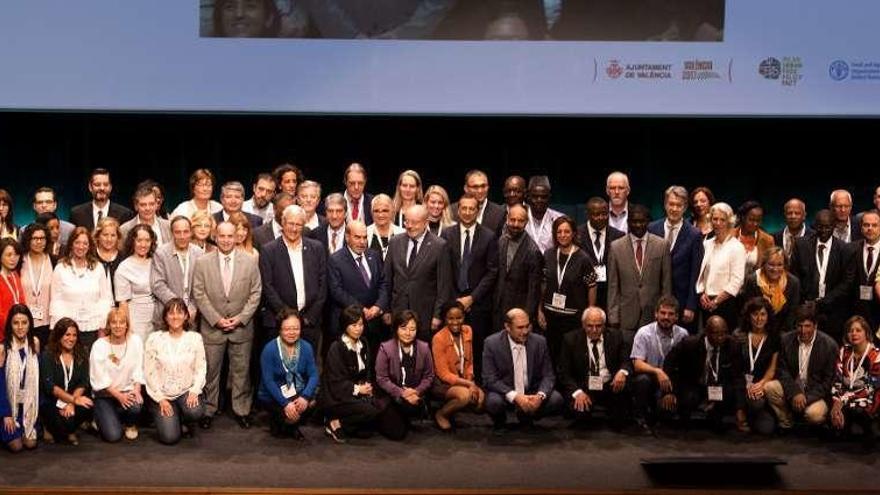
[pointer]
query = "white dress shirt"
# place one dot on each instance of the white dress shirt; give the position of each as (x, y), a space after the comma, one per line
(804, 352)
(409, 244)
(340, 238)
(83, 294)
(105, 211)
(520, 370)
(299, 278)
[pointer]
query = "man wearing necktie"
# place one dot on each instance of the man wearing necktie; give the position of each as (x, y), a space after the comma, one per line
(518, 374)
(359, 202)
(595, 237)
(475, 269)
(355, 275)
(594, 365)
(795, 212)
(707, 371)
(226, 289)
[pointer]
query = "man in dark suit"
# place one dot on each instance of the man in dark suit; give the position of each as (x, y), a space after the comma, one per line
(518, 373)
(822, 264)
(520, 269)
(686, 244)
(795, 212)
(514, 192)
(474, 252)
(490, 215)
(639, 273)
(595, 238)
(294, 275)
(805, 370)
(232, 198)
(864, 256)
(356, 276)
(706, 370)
(359, 203)
(593, 368)
(88, 214)
(331, 234)
(420, 272)
(268, 232)
(846, 227)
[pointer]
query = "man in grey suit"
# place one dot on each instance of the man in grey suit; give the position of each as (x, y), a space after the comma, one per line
(171, 269)
(518, 373)
(226, 289)
(419, 269)
(146, 204)
(639, 272)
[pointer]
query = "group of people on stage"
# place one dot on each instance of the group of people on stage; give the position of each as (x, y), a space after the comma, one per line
(371, 311)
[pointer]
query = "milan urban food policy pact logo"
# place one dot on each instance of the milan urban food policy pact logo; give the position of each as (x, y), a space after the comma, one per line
(692, 70)
(788, 70)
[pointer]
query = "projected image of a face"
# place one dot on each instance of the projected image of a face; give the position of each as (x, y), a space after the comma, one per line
(497, 20)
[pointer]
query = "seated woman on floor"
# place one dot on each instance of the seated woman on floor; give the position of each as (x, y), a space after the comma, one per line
(289, 377)
(454, 367)
(64, 373)
(856, 390)
(404, 373)
(19, 381)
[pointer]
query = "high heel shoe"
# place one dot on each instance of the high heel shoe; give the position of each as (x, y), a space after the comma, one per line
(337, 435)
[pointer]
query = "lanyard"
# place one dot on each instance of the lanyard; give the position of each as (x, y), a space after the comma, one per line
(560, 272)
(12, 287)
(592, 360)
(459, 350)
(714, 370)
(37, 287)
(754, 356)
(402, 368)
(853, 371)
(68, 373)
(288, 373)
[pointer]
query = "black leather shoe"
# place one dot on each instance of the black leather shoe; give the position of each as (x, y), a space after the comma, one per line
(243, 421)
(296, 434)
(205, 423)
(336, 435)
(642, 428)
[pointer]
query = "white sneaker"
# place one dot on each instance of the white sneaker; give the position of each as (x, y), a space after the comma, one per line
(131, 432)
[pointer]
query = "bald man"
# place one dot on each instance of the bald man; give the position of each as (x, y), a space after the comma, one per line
(419, 270)
(795, 212)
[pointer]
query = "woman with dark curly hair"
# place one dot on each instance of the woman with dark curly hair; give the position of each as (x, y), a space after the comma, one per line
(701, 199)
(855, 393)
(760, 350)
(64, 373)
(132, 280)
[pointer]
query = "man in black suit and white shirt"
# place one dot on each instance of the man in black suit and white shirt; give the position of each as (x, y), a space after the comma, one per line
(295, 275)
(232, 199)
(822, 265)
(420, 272)
(474, 252)
(795, 212)
(90, 213)
(270, 231)
(593, 368)
(595, 237)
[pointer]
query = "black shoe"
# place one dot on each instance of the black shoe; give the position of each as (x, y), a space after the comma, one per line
(336, 435)
(243, 421)
(642, 428)
(205, 423)
(186, 431)
(295, 433)
(499, 429)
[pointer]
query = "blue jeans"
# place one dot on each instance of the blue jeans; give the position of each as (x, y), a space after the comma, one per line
(168, 427)
(110, 416)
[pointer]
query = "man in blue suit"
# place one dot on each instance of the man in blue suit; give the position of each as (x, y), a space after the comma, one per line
(518, 373)
(294, 276)
(356, 276)
(687, 252)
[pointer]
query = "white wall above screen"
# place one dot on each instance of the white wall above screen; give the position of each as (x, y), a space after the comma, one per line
(782, 57)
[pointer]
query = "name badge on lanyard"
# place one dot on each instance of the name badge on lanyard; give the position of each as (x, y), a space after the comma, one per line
(715, 392)
(13, 289)
(866, 292)
(288, 391)
(601, 273)
(68, 374)
(559, 299)
(753, 357)
(595, 383)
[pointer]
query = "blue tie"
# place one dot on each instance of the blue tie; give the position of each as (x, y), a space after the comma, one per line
(366, 277)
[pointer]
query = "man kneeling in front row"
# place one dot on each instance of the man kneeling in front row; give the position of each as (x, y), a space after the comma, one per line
(518, 373)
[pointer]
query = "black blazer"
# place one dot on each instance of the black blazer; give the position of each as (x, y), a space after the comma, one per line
(340, 374)
(519, 285)
(254, 220)
(347, 285)
(686, 363)
(574, 365)
(782, 321)
(279, 288)
(484, 264)
(838, 277)
(319, 234)
(494, 217)
(263, 235)
(81, 214)
(778, 241)
(870, 310)
(585, 242)
(820, 371)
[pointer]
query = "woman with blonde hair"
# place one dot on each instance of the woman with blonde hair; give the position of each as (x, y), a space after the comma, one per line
(244, 233)
(107, 238)
(439, 211)
(407, 193)
(203, 226)
(381, 230)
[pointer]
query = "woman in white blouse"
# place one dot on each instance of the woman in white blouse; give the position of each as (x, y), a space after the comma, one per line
(381, 230)
(201, 187)
(116, 374)
(80, 288)
(174, 369)
(36, 277)
(133, 292)
(723, 269)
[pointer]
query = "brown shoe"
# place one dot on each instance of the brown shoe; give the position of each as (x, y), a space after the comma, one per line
(47, 437)
(73, 439)
(442, 422)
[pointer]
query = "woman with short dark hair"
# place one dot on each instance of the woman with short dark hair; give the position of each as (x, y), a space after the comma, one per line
(36, 276)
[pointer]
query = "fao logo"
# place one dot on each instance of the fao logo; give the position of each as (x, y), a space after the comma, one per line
(838, 70)
(770, 68)
(614, 70)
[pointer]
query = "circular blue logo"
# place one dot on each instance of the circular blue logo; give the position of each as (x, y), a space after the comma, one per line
(838, 70)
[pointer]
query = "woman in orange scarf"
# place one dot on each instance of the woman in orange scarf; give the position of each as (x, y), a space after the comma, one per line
(779, 287)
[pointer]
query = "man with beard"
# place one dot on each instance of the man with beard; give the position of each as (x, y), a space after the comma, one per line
(88, 214)
(260, 203)
(520, 266)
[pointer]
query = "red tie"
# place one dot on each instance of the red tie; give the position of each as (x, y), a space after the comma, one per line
(355, 209)
(639, 254)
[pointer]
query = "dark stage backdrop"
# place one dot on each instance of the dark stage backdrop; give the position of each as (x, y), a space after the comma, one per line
(766, 159)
